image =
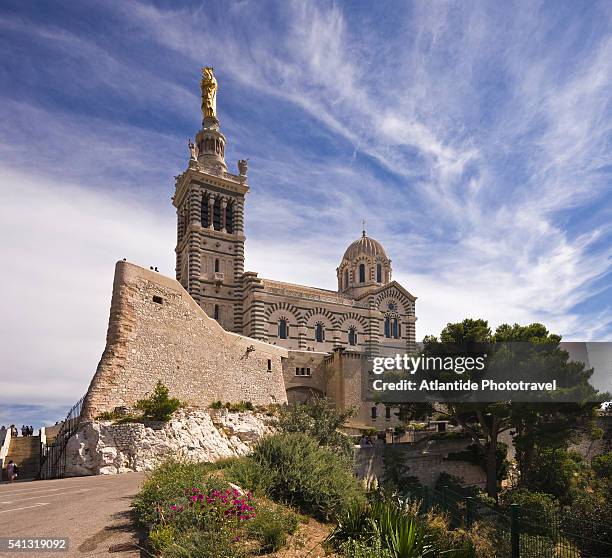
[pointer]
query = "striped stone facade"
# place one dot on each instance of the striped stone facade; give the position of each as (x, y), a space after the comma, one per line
(370, 314)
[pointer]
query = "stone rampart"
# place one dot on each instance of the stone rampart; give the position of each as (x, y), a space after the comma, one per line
(157, 332)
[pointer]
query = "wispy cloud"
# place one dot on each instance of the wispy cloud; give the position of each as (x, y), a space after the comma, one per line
(474, 138)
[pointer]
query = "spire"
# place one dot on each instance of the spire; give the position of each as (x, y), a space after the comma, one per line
(363, 228)
(210, 142)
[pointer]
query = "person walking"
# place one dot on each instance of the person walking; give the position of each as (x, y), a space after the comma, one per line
(12, 471)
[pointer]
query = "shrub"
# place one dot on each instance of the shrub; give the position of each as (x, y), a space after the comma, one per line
(271, 527)
(360, 549)
(455, 485)
(158, 406)
(354, 523)
(192, 544)
(590, 520)
(216, 405)
(240, 407)
(397, 472)
(389, 528)
(602, 465)
(161, 537)
(319, 420)
(400, 531)
(476, 541)
(538, 511)
(108, 415)
(170, 479)
(301, 473)
(248, 474)
(556, 473)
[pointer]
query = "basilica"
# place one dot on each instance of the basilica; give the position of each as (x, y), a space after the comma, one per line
(328, 334)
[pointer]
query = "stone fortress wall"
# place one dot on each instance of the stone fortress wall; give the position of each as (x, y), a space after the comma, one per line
(157, 331)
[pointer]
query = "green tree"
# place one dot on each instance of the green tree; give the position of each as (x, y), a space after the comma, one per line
(483, 422)
(158, 406)
(545, 424)
(320, 420)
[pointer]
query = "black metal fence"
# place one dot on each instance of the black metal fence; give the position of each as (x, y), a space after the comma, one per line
(53, 455)
(517, 532)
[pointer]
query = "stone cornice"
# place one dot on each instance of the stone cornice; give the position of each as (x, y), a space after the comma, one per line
(224, 180)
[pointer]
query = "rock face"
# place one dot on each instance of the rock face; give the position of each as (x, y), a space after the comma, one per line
(104, 448)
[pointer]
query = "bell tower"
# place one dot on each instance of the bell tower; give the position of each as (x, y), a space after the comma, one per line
(209, 203)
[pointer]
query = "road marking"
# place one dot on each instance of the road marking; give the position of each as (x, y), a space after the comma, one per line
(26, 507)
(17, 492)
(48, 495)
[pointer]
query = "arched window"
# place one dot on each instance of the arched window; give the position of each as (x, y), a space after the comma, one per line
(319, 333)
(346, 279)
(374, 413)
(387, 326)
(283, 329)
(352, 336)
(378, 273)
(217, 312)
(229, 218)
(204, 218)
(395, 328)
(217, 215)
(362, 273)
(216, 265)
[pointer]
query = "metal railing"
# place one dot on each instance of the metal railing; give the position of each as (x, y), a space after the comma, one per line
(53, 455)
(517, 532)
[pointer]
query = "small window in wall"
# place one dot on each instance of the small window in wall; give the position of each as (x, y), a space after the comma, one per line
(388, 413)
(217, 312)
(346, 283)
(269, 365)
(158, 299)
(283, 329)
(352, 336)
(302, 371)
(374, 413)
(378, 273)
(319, 333)
(362, 273)
(216, 265)
(387, 326)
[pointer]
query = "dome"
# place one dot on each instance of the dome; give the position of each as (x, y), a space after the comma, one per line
(365, 246)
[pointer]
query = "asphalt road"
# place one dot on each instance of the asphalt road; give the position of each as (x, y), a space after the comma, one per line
(92, 512)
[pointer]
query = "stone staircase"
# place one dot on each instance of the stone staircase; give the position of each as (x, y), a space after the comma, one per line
(25, 452)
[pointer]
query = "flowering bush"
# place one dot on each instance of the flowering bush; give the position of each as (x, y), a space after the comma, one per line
(214, 506)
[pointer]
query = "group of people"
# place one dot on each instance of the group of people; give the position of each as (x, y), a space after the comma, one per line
(25, 430)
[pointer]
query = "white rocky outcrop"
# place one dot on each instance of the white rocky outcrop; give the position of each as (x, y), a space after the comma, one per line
(103, 448)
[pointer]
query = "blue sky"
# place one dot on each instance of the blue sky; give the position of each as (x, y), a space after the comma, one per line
(474, 137)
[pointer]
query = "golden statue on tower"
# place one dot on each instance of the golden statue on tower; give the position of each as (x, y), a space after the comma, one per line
(209, 93)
